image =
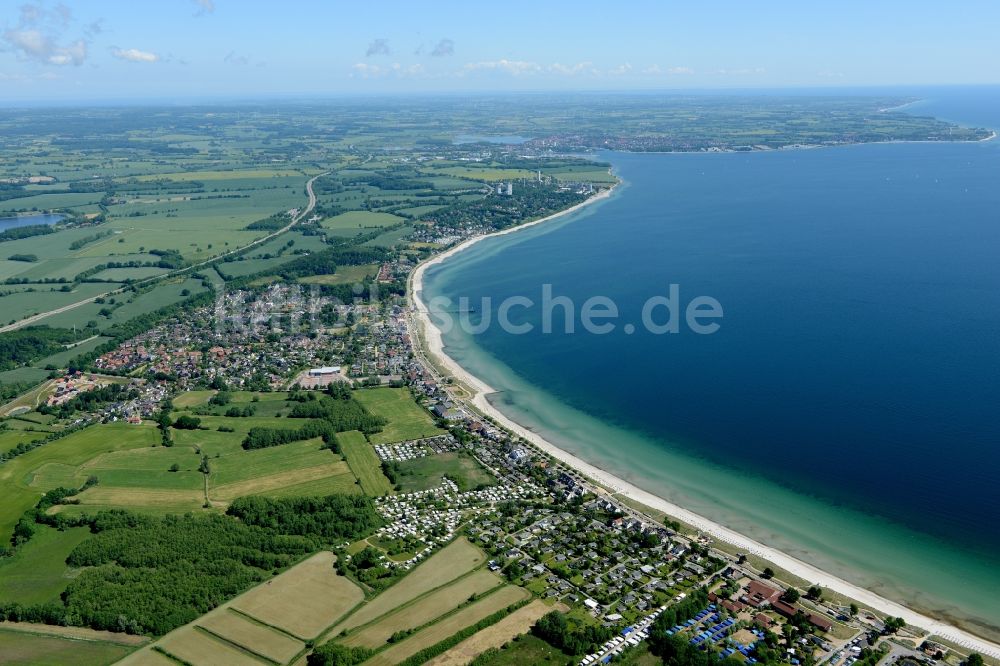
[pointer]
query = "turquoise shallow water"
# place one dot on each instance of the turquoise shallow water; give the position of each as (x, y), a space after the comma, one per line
(845, 412)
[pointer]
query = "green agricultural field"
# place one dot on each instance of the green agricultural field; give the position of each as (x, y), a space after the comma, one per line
(23, 304)
(429, 471)
(365, 463)
(134, 472)
(27, 649)
(407, 419)
(344, 275)
(361, 220)
(11, 438)
(26, 477)
(37, 573)
(392, 238)
(192, 399)
(484, 173)
(271, 469)
(61, 359)
(226, 175)
(123, 274)
(23, 375)
(419, 211)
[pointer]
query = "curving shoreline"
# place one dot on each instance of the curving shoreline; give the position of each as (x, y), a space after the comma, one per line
(429, 341)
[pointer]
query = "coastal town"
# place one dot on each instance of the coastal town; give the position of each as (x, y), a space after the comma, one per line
(543, 525)
(258, 427)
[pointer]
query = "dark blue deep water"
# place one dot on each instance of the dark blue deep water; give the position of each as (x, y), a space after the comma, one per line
(858, 361)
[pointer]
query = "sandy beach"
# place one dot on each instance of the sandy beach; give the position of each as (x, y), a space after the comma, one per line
(429, 340)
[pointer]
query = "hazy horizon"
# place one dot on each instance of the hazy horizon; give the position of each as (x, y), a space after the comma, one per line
(106, 51)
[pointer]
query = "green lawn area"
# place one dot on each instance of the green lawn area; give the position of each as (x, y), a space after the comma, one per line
(364, 463)
(26, 649)
(407, 419)
(36, 573)
(429, 471)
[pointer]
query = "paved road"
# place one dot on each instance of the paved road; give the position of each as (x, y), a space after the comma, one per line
(27, 321)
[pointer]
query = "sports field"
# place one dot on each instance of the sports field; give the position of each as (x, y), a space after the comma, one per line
(407, 419)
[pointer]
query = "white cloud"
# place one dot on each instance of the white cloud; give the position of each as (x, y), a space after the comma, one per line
(571, 70)
(134, 55)
(513, 67)
(38, 36)
(620, 70)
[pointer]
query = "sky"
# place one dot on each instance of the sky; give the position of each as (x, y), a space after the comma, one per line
(113, 50)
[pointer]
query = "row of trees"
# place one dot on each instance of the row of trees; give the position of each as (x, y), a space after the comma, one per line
(341, 414)
(570, 636)
(260, 437)
(329, 519)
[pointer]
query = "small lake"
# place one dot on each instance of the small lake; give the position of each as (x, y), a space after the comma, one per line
(26, 220)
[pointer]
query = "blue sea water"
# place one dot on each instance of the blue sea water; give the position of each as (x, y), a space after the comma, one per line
(847, 408)
(26, 220)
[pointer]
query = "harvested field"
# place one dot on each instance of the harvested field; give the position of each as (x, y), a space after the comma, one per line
(251, 636)
(448, 626)
(304, 600)
(147, 658)
(452, 561)
(517, 623)
(425, 609)
(193, 646)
